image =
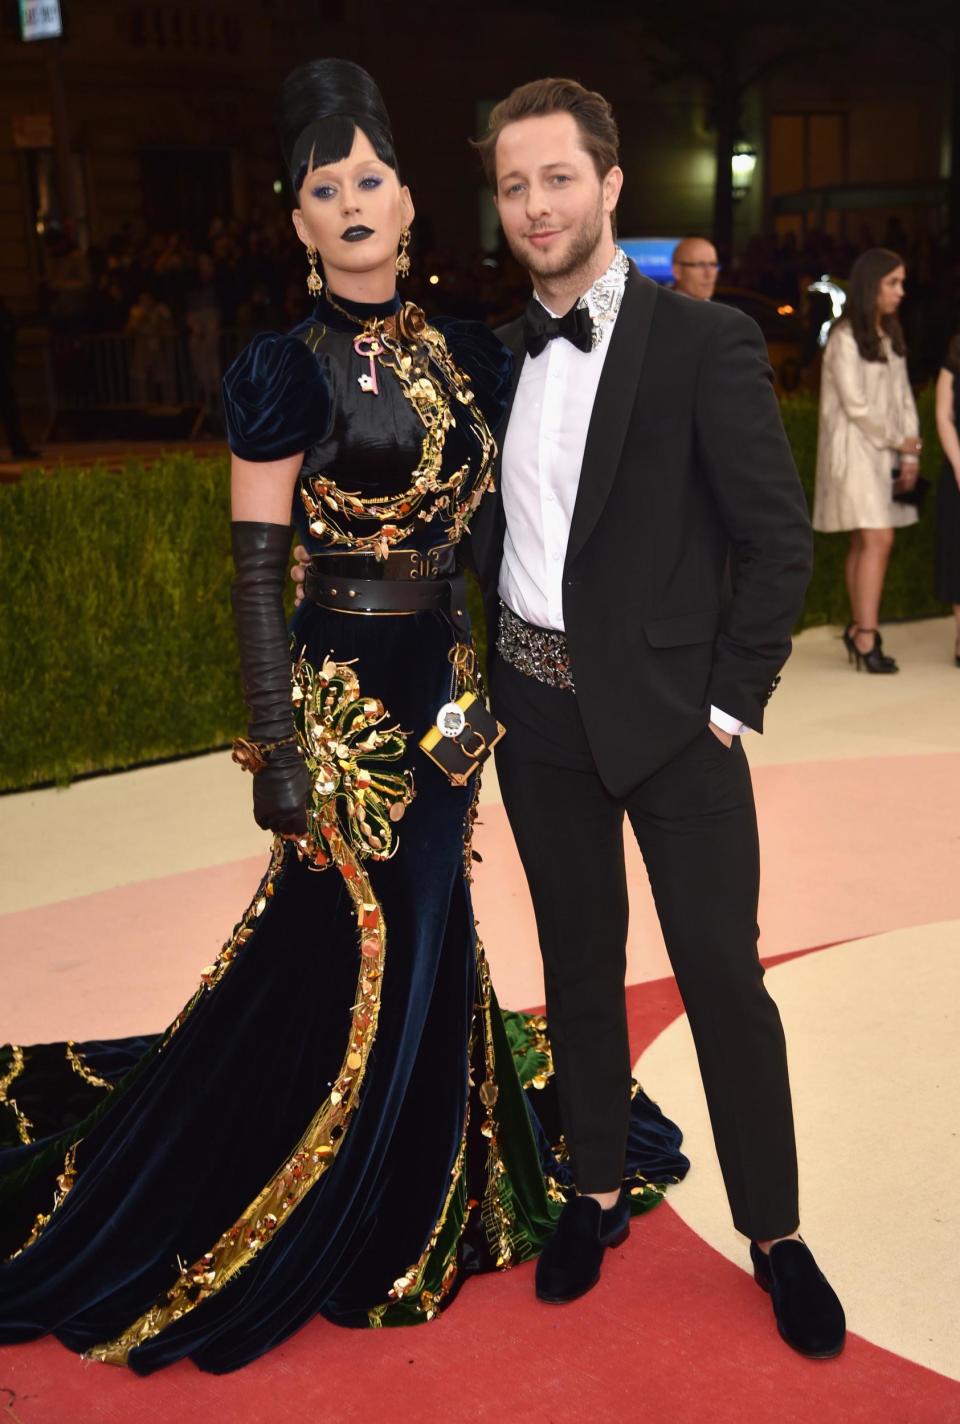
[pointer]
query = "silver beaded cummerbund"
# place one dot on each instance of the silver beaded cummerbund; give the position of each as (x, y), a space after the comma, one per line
(538, 652)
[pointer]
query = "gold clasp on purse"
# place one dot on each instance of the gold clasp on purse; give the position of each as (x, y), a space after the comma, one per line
(462, 738)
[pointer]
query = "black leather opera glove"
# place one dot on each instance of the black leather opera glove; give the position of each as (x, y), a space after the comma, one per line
(281, 782)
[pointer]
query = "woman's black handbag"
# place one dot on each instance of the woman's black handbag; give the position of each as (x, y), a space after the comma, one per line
(914, 496)
(463, 737)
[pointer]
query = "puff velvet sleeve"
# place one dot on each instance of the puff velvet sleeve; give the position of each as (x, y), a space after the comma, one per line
(276, 399)
(481, 354)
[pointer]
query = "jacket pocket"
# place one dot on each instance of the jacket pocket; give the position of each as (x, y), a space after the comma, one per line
(678, 629)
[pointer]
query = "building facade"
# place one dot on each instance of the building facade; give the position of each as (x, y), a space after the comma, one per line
(152, 117)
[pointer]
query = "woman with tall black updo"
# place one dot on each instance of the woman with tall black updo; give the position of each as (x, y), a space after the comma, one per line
(336, 1123)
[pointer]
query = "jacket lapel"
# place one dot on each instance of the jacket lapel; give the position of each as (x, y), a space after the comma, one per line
(512, 337)
(612, 407)
(488, 524)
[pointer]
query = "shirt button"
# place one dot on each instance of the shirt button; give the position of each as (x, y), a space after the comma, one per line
(555, 557)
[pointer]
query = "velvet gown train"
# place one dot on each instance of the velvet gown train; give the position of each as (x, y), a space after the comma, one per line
(340, 1121)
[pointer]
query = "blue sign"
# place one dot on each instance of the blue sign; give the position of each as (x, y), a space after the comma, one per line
(653, 255)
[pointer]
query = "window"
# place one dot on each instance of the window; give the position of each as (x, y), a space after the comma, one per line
(806, 151)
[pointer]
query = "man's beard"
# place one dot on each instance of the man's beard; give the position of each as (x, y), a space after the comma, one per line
(578, 255)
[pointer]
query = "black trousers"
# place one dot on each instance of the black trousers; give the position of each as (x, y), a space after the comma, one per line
(696, 827)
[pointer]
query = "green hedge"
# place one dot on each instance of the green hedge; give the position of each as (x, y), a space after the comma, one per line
(116, 638)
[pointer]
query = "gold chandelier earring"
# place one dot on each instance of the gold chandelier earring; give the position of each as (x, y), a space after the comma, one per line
(403, 256)
(314, 280)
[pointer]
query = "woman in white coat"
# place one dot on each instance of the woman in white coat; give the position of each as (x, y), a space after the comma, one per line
(868, 429)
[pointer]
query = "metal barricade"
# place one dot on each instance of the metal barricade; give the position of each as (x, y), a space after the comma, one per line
(81, 374)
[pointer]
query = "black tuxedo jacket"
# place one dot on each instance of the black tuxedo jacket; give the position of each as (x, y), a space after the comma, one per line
(690, 549)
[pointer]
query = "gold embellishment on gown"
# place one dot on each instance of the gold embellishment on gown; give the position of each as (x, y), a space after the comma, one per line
(540, 1044)
(13, 1072)
(335, 719)
(637, 1184)
(348, 755)
(210, 977)
(409, 348)
(410, 1284)
(65, 1182)
(24, 1125)
(495, 1208)
(467, 678)
(82, 1069)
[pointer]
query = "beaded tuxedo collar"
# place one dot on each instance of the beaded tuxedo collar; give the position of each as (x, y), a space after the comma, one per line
(603, 299)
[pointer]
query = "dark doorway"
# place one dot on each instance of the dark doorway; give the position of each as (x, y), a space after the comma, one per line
(183, 189)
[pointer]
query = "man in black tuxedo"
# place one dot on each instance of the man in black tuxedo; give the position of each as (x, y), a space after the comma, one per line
(643, 562)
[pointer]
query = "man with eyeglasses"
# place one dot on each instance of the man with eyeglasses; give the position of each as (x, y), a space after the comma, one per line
(695, 267)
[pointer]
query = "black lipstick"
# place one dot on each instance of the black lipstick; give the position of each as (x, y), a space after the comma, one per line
(356, 234)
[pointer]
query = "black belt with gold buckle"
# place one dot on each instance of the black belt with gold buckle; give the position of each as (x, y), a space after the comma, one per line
(345, 593)
(400, 565)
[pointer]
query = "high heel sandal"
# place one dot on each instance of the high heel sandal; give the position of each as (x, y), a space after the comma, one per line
(874, 660)
(885, 656)
(853, 652)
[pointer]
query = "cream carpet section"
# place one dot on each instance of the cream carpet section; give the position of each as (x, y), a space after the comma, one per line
(163, 820)
(873, 1029)
(116, 830)
(824, 709)
(132, 826)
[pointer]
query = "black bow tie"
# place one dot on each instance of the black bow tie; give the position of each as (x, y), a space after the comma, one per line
(539, 327)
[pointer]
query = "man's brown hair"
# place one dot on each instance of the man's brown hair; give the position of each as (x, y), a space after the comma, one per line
(594, 119)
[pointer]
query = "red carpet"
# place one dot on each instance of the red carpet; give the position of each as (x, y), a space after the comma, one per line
(674, 1331)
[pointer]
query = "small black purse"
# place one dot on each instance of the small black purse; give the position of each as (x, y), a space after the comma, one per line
(463, 736)
(915, 496)
(466, 731)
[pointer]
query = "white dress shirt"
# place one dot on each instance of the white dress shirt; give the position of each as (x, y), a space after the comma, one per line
(542, 459)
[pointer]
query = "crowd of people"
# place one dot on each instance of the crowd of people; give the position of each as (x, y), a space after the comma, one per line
(216, 291)
(781, 266)
(250, 273)
(209, 295)
(185, 304)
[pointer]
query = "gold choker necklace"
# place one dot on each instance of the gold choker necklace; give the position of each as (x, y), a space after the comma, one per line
(362, 322)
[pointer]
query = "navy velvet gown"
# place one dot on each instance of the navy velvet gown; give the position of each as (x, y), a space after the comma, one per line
(340, 1121)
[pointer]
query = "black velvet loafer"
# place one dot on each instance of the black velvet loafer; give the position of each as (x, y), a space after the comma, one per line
(809, 1315)
(569, 1264)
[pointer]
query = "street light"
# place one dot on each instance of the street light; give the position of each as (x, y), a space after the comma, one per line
(743, 163)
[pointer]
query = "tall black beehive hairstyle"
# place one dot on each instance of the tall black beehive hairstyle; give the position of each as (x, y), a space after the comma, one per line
(320, 107)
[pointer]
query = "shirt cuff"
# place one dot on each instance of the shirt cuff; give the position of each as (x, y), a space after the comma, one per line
(726, 723)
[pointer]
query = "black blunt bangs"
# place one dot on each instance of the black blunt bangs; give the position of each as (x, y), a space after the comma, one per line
(331, 140)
